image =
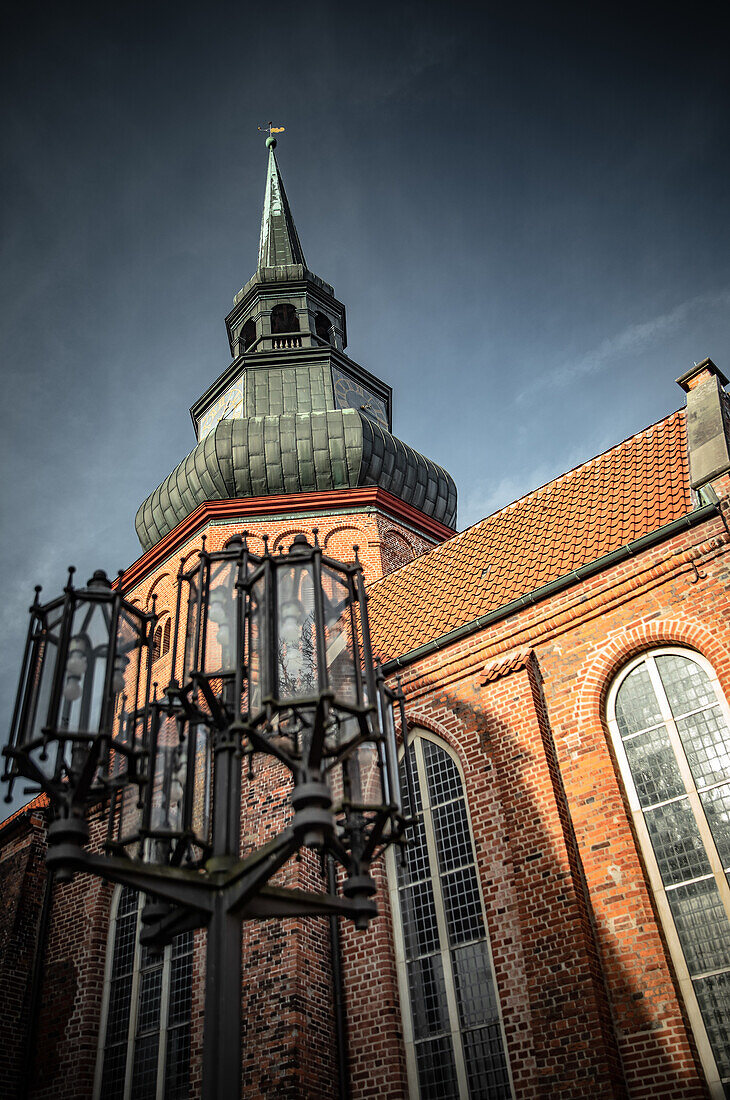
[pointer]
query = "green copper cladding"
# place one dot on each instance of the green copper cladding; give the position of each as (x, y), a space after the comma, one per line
(262, 456)
(279, 243)
(292, 413)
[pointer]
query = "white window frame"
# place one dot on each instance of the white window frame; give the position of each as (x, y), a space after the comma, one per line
(648, 657)
(417, 736)
(134, 1006)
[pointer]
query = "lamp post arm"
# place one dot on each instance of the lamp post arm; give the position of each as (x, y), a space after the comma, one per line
(249, 878)
(30, 770)
(162, 931)
(281, 901)
(184, 888)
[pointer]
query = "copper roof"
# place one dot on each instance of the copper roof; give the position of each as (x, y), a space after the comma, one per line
(611, 500)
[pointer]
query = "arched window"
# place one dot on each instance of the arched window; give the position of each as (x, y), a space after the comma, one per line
(144, 1047)
(161, 639)
(284, 318)
(248, 334)
(670, 728)
(323, 327)
(453, 1032)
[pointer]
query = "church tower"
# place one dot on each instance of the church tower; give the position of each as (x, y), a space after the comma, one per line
(297, 424)
(293, 435)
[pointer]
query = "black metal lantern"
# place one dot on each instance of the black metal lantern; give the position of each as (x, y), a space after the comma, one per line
(274, 660)
(311, 698)
(79, 715)
(211, 611)
(162, 816)
(367, 802)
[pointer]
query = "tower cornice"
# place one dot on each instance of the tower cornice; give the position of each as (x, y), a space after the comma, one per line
(289, 505)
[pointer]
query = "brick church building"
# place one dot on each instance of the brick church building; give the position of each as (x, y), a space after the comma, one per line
(560, 926)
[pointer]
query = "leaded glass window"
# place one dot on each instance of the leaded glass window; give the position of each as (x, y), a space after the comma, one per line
(144, 1051)
(669, 722)
(453, 1029)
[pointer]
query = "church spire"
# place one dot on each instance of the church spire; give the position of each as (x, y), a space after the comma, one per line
(279, 244)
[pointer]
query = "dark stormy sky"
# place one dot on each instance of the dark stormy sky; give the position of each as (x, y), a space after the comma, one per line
(525, 213)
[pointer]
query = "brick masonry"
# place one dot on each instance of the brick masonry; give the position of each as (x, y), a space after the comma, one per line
(590, 1000)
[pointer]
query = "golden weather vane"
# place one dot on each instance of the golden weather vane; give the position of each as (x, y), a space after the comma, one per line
(270, 129)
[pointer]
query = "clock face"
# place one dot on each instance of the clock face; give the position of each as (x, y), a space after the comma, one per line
(353, 395)
(226, 407)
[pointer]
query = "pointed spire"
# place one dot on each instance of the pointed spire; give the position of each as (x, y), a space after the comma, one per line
(279, 245)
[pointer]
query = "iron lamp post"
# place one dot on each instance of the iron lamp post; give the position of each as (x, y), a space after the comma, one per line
(271, 659)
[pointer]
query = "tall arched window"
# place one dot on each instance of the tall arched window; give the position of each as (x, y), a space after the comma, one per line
(161, 638)
(453, 1032)
(144, 1047)
(671, 731)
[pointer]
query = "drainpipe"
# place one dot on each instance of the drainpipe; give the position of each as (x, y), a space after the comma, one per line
(338, 993)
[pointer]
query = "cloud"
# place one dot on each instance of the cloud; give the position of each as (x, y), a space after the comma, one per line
(483, 500)
(627, 342)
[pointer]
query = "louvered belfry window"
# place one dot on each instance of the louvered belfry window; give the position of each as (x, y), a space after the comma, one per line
(146, 1024)
(669, 722)
(454, 1037)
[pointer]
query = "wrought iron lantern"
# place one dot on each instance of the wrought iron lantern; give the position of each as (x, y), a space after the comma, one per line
(313, 702)
(81, 705)
(271, 658)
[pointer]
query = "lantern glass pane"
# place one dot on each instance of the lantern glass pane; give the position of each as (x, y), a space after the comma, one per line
(343, 664)
(363, 776)
(39, 679)
(221, 626)
(393, 792)
(192, 625)
(82, 694)
(169, 772)
(128, 687)
(256, 657)
(199, 748)
(296, 632)
(355, 775)
(128, 735)
(127, 814)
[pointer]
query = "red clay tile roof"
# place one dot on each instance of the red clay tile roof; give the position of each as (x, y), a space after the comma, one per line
(38, 803)
(625, 493)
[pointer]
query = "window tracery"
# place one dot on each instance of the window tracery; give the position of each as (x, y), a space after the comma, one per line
(671, 731)
(144, 1050)
(454, 1038)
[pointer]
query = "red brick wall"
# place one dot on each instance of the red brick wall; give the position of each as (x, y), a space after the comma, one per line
(288, 1023)
(550, 813)
(22, 885)
(590, 1000)
(375, 1030)
(68, 1030)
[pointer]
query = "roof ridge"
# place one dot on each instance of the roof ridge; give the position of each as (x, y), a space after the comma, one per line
(574, 469)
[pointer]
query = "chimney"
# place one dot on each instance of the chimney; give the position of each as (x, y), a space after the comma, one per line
(708, 427)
